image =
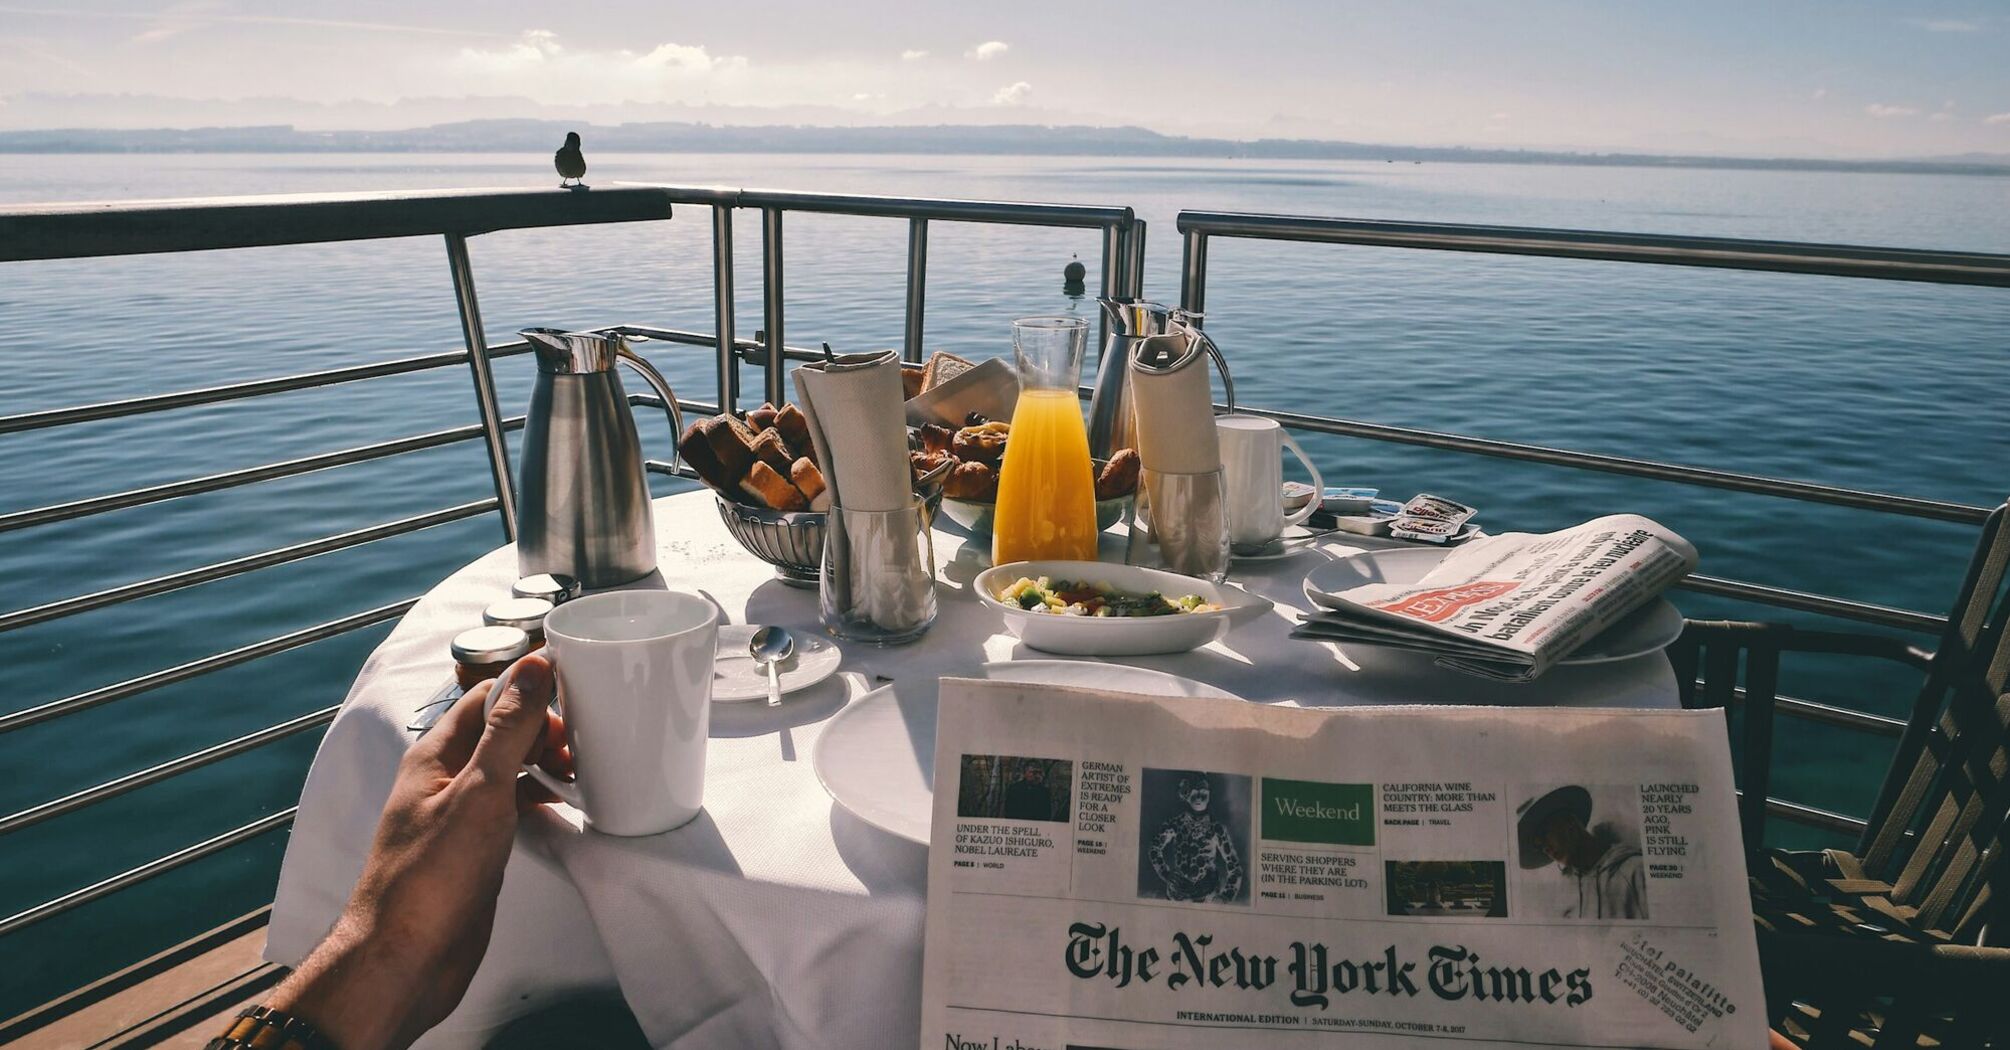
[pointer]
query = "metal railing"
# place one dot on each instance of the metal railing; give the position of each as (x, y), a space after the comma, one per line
(1197, 228)
(49, 232)
(80, 231)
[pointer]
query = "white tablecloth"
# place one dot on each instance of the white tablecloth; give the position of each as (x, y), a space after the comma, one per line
(775, 918)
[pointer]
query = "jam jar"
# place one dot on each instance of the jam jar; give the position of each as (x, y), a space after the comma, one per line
(482, 653)
(525, 614)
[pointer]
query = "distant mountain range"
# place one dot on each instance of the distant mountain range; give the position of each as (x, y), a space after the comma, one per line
(520, 136)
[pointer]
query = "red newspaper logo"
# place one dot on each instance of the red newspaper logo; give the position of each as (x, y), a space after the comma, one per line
(1439, 605)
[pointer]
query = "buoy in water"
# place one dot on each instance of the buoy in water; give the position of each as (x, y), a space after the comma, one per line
(1074, 278)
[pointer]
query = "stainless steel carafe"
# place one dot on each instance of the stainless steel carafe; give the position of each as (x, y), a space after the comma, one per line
(584, 500)
(1112, 424)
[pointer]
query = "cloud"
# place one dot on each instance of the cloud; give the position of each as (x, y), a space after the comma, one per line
(1820, 93)
(1879, 109)
(1941, 117)
(537, 51)
(912, 54)
(988, 50)
(1946, 25)
(1012, 94)
(1997, 118)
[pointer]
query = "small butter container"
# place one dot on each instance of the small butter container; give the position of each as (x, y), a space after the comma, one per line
(524, 614)
(1432, 519)
(1296, 495)
(556, 588)
(1347, 500)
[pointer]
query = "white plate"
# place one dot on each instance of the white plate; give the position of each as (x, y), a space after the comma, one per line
(737, 679)
(876, 757)
(1647, 630)
(990, 389)
(1117, 635)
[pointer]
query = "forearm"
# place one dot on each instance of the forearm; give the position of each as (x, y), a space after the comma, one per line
(346, 988)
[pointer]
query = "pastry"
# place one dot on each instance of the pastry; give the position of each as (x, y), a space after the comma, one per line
(807, 478)
(981, 444)
(972, 481)
(1119, 476)
(771, 489)
(935, 437)
(795, 430)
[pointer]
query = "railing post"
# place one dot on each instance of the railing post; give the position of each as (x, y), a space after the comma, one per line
(917, 288)
(1136, 289)
(485, 382)
(1114, 271)
(722, 308)
(1193, 273)
(776, 385)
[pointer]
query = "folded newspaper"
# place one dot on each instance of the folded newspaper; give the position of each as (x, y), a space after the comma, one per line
(1109, 870)
(1511, 606)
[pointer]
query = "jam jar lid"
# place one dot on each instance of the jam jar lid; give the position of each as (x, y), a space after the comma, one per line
(554, 587)
(524, 613)
(490, 645)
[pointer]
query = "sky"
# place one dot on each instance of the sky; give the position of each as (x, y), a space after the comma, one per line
(1776, 78)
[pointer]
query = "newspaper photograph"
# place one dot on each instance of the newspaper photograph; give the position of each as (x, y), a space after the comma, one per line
(1111, 871)
(1511, 606)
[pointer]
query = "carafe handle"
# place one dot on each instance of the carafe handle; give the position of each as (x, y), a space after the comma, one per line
(655, 379)
(1220, 361)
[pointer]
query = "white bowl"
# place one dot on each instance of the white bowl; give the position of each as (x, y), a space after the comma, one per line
(1117, 635)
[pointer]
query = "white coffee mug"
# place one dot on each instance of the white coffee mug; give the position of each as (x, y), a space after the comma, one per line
(635, 688)
(1252, 468)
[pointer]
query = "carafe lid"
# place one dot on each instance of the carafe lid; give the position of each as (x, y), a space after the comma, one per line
(560, 352)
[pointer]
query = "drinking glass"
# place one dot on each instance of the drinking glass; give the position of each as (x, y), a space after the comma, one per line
(1180, 523)
(1046, 485)
(878, 580)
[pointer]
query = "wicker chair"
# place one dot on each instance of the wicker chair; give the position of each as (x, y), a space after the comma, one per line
(1900, 942)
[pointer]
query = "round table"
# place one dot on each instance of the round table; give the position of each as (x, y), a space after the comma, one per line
(776, 918)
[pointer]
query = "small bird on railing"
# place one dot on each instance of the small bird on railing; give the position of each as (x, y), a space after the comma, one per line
(570, 162)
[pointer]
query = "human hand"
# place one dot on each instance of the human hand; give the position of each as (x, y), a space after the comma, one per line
(401, 956)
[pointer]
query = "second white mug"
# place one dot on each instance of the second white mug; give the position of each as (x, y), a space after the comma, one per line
(635, 687)
(1252, 469)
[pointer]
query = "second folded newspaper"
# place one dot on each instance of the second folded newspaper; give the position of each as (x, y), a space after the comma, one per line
(1511, 606)
(1117, 872)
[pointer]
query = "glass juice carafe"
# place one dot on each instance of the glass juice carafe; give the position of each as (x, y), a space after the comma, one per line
(1046, 486)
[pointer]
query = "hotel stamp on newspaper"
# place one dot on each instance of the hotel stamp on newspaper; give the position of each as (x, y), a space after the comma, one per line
(1227, 874)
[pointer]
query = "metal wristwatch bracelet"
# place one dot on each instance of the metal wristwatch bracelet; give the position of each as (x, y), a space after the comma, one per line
(263, 1028)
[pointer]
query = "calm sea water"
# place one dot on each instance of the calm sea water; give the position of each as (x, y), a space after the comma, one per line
(1890, 387)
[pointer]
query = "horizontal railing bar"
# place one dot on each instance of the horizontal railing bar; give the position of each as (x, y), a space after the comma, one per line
(1827, 714)
(75, 231)
(1814, 817)
(157, 866)
(1833, 260)
(752, 351)
(197, 668)
(1807, 491)
(133, 781)
(703, 408)
(1021, 213)
(133, 406)
(1803, 601)
(235, 566)
(22, 519)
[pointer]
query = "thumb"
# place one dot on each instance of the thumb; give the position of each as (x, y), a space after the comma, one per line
(516, 718)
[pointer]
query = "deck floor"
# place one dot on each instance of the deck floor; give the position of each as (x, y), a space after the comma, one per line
(185, 1001)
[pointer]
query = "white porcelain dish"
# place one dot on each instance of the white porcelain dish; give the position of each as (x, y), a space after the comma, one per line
(736, 678)
(1117, 635)
(876, 758)
(1647, 630)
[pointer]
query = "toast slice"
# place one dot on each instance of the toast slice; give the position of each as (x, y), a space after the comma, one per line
(943, 367)
(772, 490)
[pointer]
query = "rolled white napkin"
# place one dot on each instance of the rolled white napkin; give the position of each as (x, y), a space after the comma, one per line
(858, 396)
(1175, 410)
(853, 406)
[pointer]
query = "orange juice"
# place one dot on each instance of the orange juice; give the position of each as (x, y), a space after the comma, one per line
(1046, 486)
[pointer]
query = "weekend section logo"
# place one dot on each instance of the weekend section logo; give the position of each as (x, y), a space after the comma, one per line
(1435, 606)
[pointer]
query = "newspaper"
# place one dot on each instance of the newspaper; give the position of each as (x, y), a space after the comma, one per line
(1110, 871)
(1511, 606)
